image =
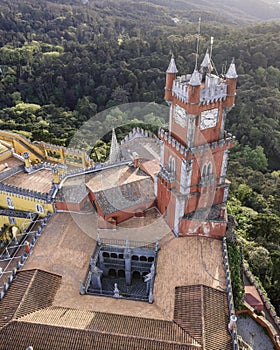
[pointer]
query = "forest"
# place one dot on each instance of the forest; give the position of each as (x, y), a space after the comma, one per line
(65, 62)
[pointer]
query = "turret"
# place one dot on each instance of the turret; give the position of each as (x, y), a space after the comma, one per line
(231, 77)
(27, 162)
(170, 76)
(206, 66)
(194, 92)
(56, 176)
(115, 149)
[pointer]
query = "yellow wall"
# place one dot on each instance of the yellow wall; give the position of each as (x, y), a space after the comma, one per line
(21, 223)
(25, 204)
(21, 144)
(5, 155)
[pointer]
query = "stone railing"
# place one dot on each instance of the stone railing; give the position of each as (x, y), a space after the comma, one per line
(232, 331)
(94, 168)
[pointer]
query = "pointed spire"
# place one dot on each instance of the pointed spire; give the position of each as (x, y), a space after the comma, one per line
(195, 78)
(231, 73)
(206, 63)
(172, 66)
(115, 149)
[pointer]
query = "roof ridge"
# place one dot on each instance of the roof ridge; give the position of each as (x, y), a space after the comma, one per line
(40, 270)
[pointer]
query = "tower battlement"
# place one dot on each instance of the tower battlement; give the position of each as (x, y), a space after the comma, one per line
(212, 90)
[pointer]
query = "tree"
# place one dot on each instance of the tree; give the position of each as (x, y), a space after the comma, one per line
(260, 262)
(265, 227)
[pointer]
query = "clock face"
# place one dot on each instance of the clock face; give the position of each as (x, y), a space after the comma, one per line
(180, 115)
(209, 118)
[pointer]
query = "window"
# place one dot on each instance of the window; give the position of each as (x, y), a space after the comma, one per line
(39, 209)
(171, 165)
(12, 220)
(10, 203)
(207, 170)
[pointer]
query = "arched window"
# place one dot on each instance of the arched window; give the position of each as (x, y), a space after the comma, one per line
(209, 169)
(206, 170)
(171, 165)
(39, 209)
(12, 220)
(136, 275)
(10, 203)
(121, 273)
(112, 273)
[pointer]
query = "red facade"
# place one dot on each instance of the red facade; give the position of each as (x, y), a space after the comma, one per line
(192, 188)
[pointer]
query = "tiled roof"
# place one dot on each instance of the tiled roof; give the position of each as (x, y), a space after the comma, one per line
(187, 261)
(113, 177)
(40, 181)
(72, 194)
(112, 324)
(202, 311)
(151, 167)
(125, 196)
(30, 291)
(146, 148)
(20, 335)
(252, 296)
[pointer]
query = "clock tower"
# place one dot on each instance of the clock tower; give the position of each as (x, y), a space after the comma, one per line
(191, 187)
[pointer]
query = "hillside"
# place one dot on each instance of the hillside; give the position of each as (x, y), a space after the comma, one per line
(62, 62)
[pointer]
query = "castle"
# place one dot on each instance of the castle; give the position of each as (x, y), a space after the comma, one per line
(129, 254)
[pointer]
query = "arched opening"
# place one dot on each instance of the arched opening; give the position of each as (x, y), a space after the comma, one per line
(209, 169)
(135, 257)
(136, 275)
(120, 256)
(105, 255)
(171, 164)
(151, 259)
(121, 273)
(143, 258)
(114, 255)
(204, 170)
(10, 203)
(112, 273)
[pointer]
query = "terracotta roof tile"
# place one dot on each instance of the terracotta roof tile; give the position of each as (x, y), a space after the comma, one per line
(113, 177)
(129, 326)
(187, 261)
(30, 291)
(20, 335)
(202, 311)
(125, 196)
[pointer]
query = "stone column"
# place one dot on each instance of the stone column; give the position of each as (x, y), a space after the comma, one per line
(127, 259)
